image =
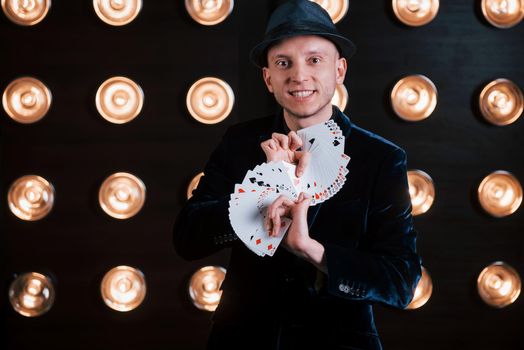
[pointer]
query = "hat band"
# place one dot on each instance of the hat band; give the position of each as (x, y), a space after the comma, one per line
(299, 28)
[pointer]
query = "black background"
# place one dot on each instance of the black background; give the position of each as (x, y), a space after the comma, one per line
(72, 51)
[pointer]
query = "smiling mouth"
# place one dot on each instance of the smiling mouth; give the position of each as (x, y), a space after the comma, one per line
(301, 93)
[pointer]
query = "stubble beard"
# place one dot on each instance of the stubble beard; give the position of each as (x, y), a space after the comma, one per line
(302, 116)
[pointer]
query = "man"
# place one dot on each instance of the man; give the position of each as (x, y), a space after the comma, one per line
(337, 258)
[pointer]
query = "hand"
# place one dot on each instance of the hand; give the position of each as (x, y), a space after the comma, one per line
(297, 239)
(286, 148)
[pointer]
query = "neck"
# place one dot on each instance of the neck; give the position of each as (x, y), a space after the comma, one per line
(296, 123)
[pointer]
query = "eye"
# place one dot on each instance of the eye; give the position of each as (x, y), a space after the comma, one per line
(315, 60)
(282, 63)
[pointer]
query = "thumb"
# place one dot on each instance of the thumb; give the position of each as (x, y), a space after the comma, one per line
(303, 159)
(303, 201)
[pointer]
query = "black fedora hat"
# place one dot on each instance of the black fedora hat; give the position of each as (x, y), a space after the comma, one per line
(300, 17)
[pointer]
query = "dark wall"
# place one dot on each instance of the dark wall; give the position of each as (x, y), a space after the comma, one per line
(165, 51)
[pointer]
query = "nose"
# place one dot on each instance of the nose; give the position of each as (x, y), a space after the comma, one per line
(299, 72)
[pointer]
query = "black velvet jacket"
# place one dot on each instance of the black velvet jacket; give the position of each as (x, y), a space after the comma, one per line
(366, 229)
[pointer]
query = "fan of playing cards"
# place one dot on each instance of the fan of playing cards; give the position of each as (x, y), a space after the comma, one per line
(323, 178)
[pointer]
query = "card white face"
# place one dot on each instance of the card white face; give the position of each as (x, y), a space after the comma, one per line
(247, 211)
(322, 179)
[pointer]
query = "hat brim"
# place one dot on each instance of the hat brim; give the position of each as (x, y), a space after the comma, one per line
(258, 54)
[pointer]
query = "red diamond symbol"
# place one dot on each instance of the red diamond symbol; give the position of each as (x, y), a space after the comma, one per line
(258, 241)
(269, 247)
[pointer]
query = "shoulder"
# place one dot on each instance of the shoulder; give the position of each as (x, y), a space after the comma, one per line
(258, 125)
(249, 132)
(371, 143)
(359, 134)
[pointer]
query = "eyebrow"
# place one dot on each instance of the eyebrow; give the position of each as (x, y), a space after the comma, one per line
(309, 53)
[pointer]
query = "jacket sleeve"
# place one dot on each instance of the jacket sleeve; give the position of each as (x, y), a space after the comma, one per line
(202, 227)
(384, 267)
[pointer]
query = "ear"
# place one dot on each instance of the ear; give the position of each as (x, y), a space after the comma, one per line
(342, 67)
(266, 75)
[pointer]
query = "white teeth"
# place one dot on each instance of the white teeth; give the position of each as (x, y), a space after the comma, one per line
(304, 93)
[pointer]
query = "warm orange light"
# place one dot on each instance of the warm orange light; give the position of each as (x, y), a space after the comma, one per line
(421, 191)
(414, 97)
(27, 12)
(500, 193)
(209, 12)
(501, 102)
(337, 9)
(123, 288)
(117, 12)
(26, 100)
(32, 294)
(415, 12)
(193, 184)
(31, 197)
(499, 284)
(503, 13)
(122, 195)
(210, 100)
(340, 98)
(423, 291)
(119, 100)
(204, 287)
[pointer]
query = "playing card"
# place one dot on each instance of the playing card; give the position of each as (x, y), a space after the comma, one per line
(322, 179)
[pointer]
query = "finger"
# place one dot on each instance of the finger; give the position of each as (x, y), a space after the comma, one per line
(281, 139)
(295, 142)
(302, 205)
(270, 143)
(281, 202)
(272, 208)
(303, 161)
(276, 226)
(278, 223)
(307, 199)
(270, 149)
(267, 222)
(265, 147)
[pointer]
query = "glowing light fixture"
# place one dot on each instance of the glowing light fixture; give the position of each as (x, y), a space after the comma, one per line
(210, 100)
(119, 100)
(499, 284)
(500, 193)
(122, 195)
(415, 13)
(501, 102)
(26, 12)
(209, 12)
(204, 287)
(123, 288)
(31, 197)
(414, 97)
(26, 100)
(117, 12)
(31, 294)
(503, 13)
(193, 184)
(421, 191)
(422, 292)
(337, 9)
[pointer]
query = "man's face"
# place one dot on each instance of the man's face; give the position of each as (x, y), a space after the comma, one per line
(302, 73)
